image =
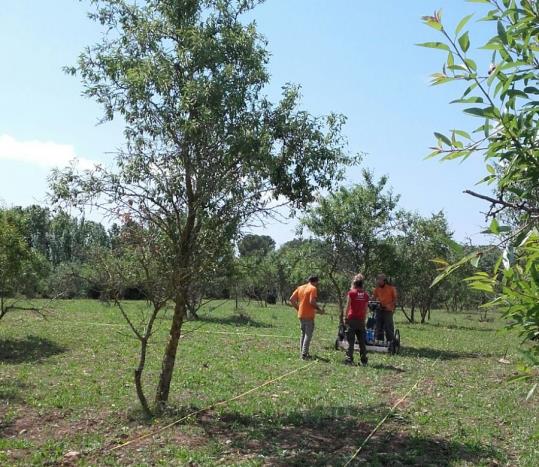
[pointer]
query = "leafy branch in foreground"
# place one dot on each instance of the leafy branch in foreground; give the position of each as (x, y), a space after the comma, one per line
(504, 94)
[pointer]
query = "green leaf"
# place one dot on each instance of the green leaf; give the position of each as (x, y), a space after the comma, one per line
(475, 260)
(502, 34)
(517, 93)
(476, 111)
(432, 22)
(471, 64)
(482, 286)
(463, 133)
(487, 179)
(462, 23)
(494, 227)
(443, 138)
(491, 169)
(435, 45)
(464, 42)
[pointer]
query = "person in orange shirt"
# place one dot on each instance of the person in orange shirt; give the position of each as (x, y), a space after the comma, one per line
(304, 301)
(387, 296)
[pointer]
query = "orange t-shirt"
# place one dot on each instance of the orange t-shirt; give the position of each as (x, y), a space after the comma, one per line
(387, 296)
(304, 294)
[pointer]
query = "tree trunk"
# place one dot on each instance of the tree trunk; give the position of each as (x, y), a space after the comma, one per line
(412, 312)
(138, 378)
(167, 367)
(2, 310)
(339, 295)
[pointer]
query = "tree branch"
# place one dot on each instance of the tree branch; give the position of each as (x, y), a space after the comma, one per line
(520, 206)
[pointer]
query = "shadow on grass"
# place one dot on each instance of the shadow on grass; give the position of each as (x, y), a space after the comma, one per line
(330, 435)
(457, 327)
(234, 320)
(381, 366)
(10, 390)
(30, 349)
(425, 352)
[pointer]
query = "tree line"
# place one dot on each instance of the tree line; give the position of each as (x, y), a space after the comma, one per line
(356, 229)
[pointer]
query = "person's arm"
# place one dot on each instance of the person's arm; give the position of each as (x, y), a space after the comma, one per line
(312, 301)
(394, 304)
(293, 301)
(347, 308)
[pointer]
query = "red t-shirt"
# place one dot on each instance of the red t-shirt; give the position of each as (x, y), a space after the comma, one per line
(359, 301)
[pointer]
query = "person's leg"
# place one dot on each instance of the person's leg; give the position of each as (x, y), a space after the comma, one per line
(302, 339)
(309, 330)
(389, 326)
(379, 331)
(361, 339)
(351, 337)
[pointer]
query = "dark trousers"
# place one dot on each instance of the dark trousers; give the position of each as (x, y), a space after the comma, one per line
(356, 328)
(384, 323)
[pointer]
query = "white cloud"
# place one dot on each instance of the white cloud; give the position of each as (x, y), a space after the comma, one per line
(45, 154)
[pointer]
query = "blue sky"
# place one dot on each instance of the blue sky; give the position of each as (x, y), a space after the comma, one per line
(350, 56)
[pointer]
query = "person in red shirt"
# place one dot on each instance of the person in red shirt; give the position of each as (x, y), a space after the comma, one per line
(356, 306)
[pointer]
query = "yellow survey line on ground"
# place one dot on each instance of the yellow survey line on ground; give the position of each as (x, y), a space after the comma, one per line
(209, 407)
(247, 334)
(192, 331)
(381, 422)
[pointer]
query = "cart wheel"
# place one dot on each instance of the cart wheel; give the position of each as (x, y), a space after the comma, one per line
(397, 341)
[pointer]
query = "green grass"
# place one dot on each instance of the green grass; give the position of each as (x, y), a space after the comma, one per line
(66, 385)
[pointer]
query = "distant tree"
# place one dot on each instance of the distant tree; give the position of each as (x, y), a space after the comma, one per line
(205, 151)
(252, 244)
(421, 243)
(21, 268)
(294, 262)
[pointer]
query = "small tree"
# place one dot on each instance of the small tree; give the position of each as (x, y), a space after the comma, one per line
(419, 242)
(352, 223)
(135, 262)
(205, 150)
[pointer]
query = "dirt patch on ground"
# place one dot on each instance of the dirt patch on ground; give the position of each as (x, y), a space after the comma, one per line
(32, 425)
(300, 438)
(24, 423)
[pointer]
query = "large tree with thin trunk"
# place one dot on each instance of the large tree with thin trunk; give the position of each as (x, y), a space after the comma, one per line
(205, 149)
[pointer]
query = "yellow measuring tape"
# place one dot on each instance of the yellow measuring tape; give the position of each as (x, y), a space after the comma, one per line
(381, 422)
(209, 407)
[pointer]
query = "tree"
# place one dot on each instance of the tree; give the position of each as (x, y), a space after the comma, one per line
(419, 242)
(256, 245)
(205, 151)
(136, 262)
(20, 267)
(295, 261)
(504, 98)
(352, 223)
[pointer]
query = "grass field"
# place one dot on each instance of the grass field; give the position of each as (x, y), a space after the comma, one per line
(66, 385)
